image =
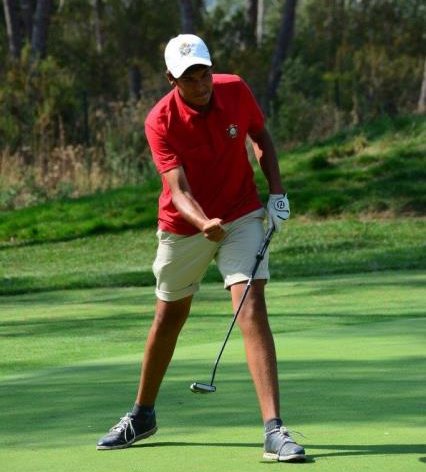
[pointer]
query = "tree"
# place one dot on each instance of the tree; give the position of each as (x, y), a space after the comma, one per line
(259, 21)
(251, 10)
(11, 13)
(40, 28)
(97, 21)
(27, 12)
(21, 19)
(285, 36)
(421, 106)
(187, 16)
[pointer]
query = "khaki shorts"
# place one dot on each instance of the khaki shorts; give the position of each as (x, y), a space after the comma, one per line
(182, 261)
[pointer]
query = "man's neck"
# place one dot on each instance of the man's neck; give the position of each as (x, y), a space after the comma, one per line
(200, 109)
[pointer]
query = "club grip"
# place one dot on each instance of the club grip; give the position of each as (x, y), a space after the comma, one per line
(265, 244)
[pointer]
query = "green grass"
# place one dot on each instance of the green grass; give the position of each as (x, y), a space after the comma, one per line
(100, 213)
(378, 168)
(351, 357)
(346, 304)
(375, 169)
(55, 328)
(303, 248)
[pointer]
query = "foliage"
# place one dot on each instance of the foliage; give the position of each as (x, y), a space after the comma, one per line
(132, 33)
(67, 124)
(350, 62)
(37, 102)
(59, 144)
(71, 124)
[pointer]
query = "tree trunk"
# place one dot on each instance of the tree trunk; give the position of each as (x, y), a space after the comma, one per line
(27, 12)
(40, 28)
(260, 19)
(135, 83)
(337, 32)
(187, 16)
(11, 14)
(285, 36)
(97, 15)
(421, 106)
(251, 19)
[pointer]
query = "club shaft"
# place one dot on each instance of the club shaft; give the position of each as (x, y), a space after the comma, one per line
(259, 257)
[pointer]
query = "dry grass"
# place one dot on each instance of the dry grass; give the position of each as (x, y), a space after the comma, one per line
(71, 171)
(116, 154)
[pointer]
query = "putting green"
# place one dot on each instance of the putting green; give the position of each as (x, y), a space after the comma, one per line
(355, 391)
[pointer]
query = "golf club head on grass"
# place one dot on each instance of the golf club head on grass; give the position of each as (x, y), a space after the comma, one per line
(197, 387)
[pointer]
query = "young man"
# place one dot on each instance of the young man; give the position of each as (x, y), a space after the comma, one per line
(209, 209)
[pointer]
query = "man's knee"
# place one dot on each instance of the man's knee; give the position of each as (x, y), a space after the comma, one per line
(171, 316)
(253, 312)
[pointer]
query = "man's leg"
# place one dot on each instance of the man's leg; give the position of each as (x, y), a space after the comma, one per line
(262, 362)
(160, 345)
(259, 346)
(159, 348)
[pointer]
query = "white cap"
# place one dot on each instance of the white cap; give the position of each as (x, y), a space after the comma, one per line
(185, 51)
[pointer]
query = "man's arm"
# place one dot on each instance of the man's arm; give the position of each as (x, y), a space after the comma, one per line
(189, 208)
(278, 207)
(264, 150)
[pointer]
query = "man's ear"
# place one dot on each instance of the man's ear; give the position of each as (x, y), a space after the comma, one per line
(171, 79)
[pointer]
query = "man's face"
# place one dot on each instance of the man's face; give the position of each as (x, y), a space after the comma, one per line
(196, 86)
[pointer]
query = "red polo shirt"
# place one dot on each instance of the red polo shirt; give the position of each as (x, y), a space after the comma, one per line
(210, 146)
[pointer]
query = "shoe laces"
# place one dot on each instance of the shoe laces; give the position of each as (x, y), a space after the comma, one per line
(285, 433)
(124, 425)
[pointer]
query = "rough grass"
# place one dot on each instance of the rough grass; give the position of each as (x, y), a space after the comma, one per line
(379, 169)
(375, 170)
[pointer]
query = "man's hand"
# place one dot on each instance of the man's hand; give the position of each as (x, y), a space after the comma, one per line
(213, 230)
(278, 209)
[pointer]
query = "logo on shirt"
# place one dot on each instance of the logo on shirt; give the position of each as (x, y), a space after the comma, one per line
(232, 131)
(185, 49)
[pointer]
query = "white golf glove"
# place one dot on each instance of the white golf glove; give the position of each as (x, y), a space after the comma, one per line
(278, 209)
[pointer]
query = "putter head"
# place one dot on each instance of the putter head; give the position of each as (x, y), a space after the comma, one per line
(197, 387)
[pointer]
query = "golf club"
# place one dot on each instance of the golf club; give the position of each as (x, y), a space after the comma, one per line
(198, 387)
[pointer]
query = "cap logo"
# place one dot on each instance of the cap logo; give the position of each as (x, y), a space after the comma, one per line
(232, 131)
(185, 49)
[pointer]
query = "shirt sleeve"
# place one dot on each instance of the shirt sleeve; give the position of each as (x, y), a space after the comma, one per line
(163, 155)
(256, 116)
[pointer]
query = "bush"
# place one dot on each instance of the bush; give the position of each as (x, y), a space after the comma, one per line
(37, 105)
(56, 143)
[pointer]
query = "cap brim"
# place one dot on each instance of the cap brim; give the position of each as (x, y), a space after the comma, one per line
(178, 70)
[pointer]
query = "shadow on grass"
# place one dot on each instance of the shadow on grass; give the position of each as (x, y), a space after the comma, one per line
(333, 450)
(281, 268)
(23, 285)
(194, 443)
(367, 449)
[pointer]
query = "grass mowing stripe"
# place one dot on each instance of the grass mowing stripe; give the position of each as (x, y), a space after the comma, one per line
(103, 323)
(304, 248)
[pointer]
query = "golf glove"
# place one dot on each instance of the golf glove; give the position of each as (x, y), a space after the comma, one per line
(278, 209)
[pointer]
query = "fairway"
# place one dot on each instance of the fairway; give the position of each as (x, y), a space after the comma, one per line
(352, 371)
